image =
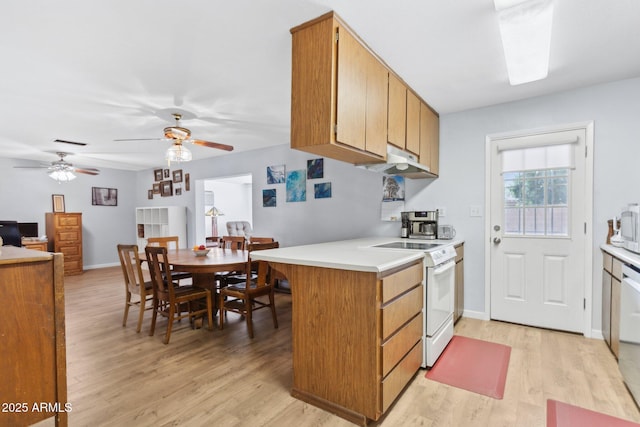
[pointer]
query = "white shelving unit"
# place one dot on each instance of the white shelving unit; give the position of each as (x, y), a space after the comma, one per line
(160, 222)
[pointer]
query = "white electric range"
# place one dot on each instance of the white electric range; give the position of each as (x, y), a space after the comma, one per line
(439, 292)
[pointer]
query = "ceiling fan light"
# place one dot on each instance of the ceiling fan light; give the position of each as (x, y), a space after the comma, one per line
(62, 175)
(178, 153)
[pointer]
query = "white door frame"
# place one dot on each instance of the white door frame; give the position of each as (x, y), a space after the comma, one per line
(588, 197)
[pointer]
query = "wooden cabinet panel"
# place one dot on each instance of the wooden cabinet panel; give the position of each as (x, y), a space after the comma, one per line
(616, 288)
(352, 91)
(616, 269)
(339, 344)
(606, 306)
(376, 109)
(458, 306)
(429, 139)
(607, 260)
(397, 113)
(413, 124)
(33, 339)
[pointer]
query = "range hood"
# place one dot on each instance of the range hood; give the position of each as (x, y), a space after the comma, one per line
(400, 162)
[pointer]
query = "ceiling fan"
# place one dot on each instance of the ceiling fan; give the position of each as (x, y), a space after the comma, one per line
(61, 170)
(179, 134)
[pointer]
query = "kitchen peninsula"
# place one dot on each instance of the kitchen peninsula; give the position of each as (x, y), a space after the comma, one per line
(357, 323)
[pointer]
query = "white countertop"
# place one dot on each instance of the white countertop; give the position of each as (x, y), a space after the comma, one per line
(356, 254)
(623, 254)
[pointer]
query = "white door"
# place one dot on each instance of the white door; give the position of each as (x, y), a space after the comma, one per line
(538, 213)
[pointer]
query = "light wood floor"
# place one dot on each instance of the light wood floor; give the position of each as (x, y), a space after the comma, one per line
(117, 377)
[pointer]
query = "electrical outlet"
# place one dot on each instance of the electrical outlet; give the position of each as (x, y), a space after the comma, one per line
(475, 210)
(441, 212)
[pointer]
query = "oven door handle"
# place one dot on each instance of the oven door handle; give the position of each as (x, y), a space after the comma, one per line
(443, 268)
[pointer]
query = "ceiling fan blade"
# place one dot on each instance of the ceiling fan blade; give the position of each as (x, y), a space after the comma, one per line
(63, 141)
(212, 144)
(89, 171)
(140, 139)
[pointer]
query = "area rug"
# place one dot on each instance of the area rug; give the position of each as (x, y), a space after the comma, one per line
(474, 365)
(564, 415)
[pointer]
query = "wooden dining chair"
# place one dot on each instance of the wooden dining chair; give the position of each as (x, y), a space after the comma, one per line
(233, 242)
(261, 239)
(242, 298)
(134, 283)
(172, 243)
(169, 300)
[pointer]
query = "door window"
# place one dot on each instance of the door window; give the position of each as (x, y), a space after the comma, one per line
(536, 202)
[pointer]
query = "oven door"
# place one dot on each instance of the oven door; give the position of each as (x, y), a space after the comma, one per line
(439, 295)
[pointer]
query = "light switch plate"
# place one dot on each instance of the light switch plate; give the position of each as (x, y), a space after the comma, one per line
(475, 210)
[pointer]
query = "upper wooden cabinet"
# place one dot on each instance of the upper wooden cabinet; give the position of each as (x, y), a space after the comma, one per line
(338, 94)
(347, 104)
(429, 139)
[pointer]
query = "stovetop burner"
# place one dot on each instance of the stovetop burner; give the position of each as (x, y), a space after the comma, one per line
(420, 246)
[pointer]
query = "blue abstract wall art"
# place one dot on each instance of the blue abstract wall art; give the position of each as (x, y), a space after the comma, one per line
(322, 190)
(296, 186)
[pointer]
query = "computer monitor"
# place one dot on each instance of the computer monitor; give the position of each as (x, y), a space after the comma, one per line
(28, 229)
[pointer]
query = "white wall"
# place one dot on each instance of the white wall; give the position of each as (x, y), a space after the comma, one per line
(25, 196)
(614, 108)
(352, 211)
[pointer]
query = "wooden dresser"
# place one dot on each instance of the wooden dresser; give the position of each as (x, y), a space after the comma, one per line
(64, 231)
(33, 337)
(35, 244)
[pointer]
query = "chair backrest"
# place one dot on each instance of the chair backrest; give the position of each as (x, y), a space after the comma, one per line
(10, 233)
(160, 272)
(132, 269)
(168, 242)
(261, 239)
(261, 267)
(233, 242)
(239, 228)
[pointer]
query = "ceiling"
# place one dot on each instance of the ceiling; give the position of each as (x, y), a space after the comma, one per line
(98, 71)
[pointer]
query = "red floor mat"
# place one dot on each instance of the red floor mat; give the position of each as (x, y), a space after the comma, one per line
(474, 365)
(564, 415)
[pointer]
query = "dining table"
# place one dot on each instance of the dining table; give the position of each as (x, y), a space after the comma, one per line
(204, 268)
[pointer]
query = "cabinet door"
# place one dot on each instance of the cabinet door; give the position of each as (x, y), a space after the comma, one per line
(413, 123)
(352, 91)
(397, 114)
(616, 288)
(376, 109)
(606, 306)
(459, 294)
(429, 138)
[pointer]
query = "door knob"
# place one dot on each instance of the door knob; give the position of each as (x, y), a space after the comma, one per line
(497, 240)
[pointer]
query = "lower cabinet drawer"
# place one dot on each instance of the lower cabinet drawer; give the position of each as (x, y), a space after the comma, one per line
(396, 347)
(395, 382)
(69, 250)
(399, 311)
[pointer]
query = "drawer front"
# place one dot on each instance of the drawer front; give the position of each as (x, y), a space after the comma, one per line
(607, 261)
(396, 347)
(68, 236)
(616, 269)
(395, 382)
(399, 311)
(72, 265)
(397, 283)
(69, 250)
(68, 220)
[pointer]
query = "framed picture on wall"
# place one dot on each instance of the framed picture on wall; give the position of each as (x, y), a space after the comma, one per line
(166, 188)
(104, 196)
(177, 175)
(58, 202)
(157, 174)
(187, 182)
(156, 188)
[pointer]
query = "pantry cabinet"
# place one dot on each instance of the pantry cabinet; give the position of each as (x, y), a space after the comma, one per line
(347, 104)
